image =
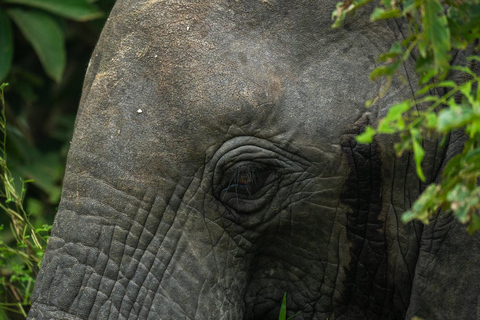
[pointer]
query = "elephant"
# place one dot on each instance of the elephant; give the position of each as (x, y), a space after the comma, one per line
(214, 168)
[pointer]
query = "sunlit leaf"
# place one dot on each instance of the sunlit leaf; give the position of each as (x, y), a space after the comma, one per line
(447, 84)
(79, 10)
(471, 58)
(45, 36)
(385, 126)
(449, 119)
(424, 206)
(473, 128)
(419, 154)
(396, 111)
(367, 135)
(6, 44)
(431, 120)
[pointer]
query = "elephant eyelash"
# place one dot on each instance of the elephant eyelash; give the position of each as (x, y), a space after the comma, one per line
(244, 177)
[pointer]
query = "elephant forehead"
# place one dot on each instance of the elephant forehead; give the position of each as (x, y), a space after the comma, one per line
(315, 81)
(264, 86)
(189, 81)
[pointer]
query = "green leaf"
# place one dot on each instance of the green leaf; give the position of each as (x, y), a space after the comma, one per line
(473, 155)
(394, 52)
(466, 89)
(474, 224)
(463, 201)
(471, 58)
(345, 7)
(387, 70)
(436, 33)
(452, 166)
(385, 126)
(283, 308)
(447, 84)
(465, 70)
(454, 118)
(424, 66)
(378, 72)
(381, 14)
(79, 10)
(419, 154)
(426, 76)
(396, 111)
(45, 36)
(424, 206)
(367, 135)
(6, 44)
(431, 120)
(464, 20)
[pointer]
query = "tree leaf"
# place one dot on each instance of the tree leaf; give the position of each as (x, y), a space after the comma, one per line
(453, 118)
(79, 10)
(431, 120)
(452, 166)
(6, 45)
(386, 70)
(436, 33)
(473, 155)
(395, 112)
(394, 52)
(385, 126)
(381, 14)
(367, 136)
(465, 70)
(447, 84)
(471, 58)
(474, 224)
(419, 154)
(45, 36)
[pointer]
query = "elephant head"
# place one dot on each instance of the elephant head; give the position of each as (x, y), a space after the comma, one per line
(214, 167)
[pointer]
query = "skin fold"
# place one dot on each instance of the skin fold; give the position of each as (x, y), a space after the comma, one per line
(241, 179)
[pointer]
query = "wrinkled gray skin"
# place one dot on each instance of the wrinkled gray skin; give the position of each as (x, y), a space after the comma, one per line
(240, 180)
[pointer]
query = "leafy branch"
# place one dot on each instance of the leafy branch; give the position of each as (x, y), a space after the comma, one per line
(436, 28)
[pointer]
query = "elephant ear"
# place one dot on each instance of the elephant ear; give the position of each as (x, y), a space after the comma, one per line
(446, 275)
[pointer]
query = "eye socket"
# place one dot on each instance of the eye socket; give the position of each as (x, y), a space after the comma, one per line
(245, 187)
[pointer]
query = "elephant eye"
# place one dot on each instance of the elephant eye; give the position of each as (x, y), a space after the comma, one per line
(245, 185)
(244, 180)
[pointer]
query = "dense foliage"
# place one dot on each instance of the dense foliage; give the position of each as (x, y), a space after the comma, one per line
(438, 29)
